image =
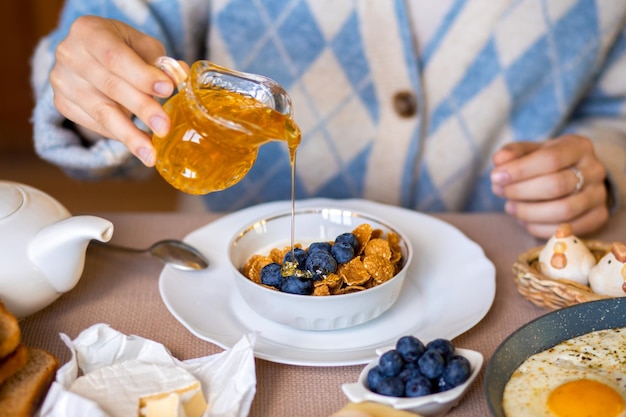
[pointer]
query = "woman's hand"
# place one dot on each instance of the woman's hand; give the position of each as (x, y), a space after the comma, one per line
(104, 74)
(540, 183)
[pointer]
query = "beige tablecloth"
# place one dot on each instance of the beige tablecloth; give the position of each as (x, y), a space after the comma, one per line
(122, 290)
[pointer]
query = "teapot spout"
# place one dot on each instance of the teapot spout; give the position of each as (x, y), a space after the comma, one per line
(58, 250)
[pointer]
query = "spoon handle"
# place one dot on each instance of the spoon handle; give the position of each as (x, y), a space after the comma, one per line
(118, 247)
(176, 253)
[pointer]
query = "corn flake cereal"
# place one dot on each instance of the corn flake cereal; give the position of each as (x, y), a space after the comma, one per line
(394, 244)
(320, 290)
(351, 289)
(353, 272)
(332, 281)
(377, 259)
(378, 247)
(254, 266)
(277, 255)
(363, 234)
(380, 268)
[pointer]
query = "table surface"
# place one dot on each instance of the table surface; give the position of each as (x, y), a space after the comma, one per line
(122, 290)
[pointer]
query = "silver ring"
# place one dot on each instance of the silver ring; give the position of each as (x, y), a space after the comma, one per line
(579, 177)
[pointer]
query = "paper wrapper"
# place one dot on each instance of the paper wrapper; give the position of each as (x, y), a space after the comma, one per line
(228, 378)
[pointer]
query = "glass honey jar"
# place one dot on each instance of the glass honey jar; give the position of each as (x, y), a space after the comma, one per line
(219, 120)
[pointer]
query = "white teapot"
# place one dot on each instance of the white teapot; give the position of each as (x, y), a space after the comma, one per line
(42, 247)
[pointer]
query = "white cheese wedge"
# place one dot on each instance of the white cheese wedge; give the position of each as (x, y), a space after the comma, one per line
(188, 402)
(167, 405)
(134, 388)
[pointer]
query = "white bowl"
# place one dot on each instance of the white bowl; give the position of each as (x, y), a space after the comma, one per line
(305, 311)
(433, 405)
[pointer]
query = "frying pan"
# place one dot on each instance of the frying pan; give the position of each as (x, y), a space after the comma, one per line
(543, 333)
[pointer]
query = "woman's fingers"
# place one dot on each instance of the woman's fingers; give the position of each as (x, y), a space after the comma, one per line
(554, 185)
(119, 90)
(514, 150)
(119, 50)
(103, 73)
(137, 141)
(587, 223)
(558, 210)
(540, 159)
(542, 218)
(545, 173)
(546, 184)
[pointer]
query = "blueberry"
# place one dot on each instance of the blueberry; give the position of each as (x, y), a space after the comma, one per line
(418, 387)
(431, 364)
(441, 385)
(300, 255)
(413, 365)
(296, 285)
(410, 347)
(321, 263)
(443, 346)
(374, 376)
(271, 274)
(316, 246)
(390, 363)
(350, 238)
(409, 372)
(391, 386)
(342, 251)
(456, 371)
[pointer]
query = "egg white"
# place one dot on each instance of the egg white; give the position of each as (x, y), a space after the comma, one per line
(599, 356)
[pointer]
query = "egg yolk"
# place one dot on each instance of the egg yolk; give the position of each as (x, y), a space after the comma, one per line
(583, 398)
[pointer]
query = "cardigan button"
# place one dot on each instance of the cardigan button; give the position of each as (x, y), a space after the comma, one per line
(405, 103)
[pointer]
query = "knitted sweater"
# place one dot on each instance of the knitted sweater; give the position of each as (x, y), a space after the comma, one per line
(494, 72)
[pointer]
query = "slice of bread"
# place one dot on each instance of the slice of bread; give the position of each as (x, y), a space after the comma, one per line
(13, 363)
(10, 334)
(22, 394)
(371, 409)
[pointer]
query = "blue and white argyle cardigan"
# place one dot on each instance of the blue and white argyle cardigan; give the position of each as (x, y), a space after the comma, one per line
(494, 72)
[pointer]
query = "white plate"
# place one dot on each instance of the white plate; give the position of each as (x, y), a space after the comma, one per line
(449, 288)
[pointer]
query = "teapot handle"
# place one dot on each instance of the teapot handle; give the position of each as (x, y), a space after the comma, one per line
(172, 69)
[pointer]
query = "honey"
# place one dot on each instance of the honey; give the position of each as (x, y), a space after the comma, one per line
(215, 138)
(220, 118)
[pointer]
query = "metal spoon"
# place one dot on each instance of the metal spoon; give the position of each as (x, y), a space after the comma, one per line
(173, 252)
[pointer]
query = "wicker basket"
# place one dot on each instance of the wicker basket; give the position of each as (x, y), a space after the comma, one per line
(548, 292)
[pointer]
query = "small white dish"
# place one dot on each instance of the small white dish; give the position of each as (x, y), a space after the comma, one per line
(434, 405)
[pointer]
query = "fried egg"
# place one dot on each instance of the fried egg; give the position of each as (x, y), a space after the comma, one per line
(580, 377)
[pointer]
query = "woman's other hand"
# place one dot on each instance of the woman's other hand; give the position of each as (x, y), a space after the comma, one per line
(548, 183)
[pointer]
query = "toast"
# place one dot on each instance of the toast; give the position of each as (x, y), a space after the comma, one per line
(22, 393)
(13, 363)
(10, 334)
(371, 409)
